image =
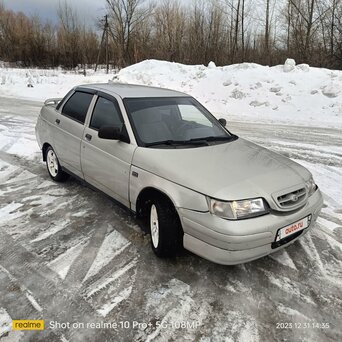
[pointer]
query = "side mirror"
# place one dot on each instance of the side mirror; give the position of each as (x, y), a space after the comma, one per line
(114, 133)
(223, 122)
(110, 133)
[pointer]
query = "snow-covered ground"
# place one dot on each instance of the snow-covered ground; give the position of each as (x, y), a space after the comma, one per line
(40, 84)
(286, 93)
(69, 254)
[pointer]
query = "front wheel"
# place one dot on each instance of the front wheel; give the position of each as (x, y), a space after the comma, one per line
(165, 228)
(53, 166)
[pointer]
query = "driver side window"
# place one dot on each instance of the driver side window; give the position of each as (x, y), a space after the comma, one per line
(106, 114)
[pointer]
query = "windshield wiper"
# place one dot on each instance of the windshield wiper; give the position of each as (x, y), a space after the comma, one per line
(213, 138)
(196, 141)
(177, 142)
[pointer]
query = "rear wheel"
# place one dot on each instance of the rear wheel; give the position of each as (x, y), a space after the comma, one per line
(165, 228)
(53, 166)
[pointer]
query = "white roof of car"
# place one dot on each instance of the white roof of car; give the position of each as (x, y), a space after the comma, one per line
(132, 90)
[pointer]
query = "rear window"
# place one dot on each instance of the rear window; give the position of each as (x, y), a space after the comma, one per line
(77, 106)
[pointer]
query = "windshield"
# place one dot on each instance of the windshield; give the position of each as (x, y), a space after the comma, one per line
(172, 121)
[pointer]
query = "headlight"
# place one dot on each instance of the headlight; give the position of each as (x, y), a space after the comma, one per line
(236, 210)
(311, 186)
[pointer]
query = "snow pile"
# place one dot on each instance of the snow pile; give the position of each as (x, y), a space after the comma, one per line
(332, 90)
(211, 65)
(288, 94)
(40, 84)
(289, 65)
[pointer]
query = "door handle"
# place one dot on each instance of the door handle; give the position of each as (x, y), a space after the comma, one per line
(88, 137)
(58, 121)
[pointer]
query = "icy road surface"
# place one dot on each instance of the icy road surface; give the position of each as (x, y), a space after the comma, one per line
(70, 254)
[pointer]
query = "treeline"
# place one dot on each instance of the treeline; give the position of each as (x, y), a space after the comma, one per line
(28, 41)
(228, 31)
(224, 31)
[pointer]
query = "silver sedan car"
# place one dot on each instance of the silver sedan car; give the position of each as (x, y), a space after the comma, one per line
(193, 183)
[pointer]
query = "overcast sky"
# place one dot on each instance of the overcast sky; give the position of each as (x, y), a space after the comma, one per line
(88, 10)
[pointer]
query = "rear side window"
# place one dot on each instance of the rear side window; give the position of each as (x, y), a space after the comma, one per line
(106, 114)
(64, 98)
(77, 106)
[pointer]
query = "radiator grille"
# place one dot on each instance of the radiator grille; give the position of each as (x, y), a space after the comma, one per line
(291, 199)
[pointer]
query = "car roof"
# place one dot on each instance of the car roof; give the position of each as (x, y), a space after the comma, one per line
(132, 90)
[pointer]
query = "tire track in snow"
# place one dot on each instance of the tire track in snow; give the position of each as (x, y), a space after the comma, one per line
(100, 284)
(24, 290)
(171, 303)
(76, 277)
(68, 265)
(87, 256)
(73, 276)
(63, 306)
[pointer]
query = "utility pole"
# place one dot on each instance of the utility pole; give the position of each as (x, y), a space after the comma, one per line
(104, 40)
(107, 50)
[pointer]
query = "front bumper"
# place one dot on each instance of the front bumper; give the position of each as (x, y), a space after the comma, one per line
(233, 242)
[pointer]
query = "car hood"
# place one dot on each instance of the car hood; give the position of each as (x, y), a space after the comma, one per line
(236, 170)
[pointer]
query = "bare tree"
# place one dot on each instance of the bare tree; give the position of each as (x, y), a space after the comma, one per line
(338, 36)
(288, 22)
(243, 8)
(304, 23)
(126, 15)
(334, 18)
(68, 36)
(267, 29)
(169, 24)
(237, 24)
(196, 39)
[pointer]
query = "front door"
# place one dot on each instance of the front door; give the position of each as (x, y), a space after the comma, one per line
(106, 163)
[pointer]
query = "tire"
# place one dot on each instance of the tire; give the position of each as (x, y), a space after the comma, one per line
(54, 168)
(165, 228)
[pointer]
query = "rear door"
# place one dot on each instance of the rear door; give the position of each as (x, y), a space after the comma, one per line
(106, 163)
(69, 130)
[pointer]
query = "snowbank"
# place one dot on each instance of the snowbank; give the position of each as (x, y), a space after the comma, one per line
(289, 93)
(40, 84)
(251, 92)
